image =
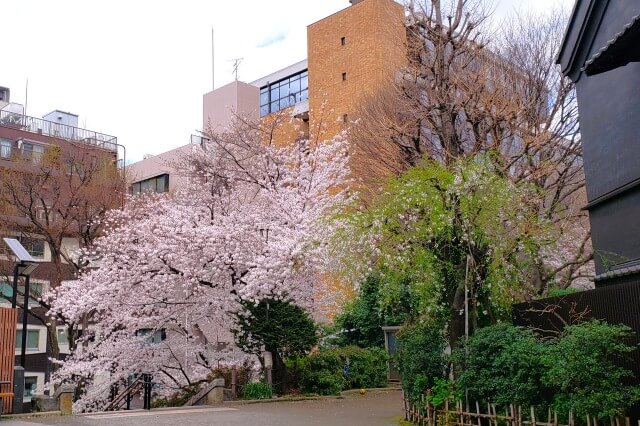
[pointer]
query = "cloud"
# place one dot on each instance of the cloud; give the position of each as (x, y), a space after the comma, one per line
(273, 38)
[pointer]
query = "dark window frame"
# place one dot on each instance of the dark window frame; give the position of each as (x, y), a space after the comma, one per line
(279, 95)
(158, 184)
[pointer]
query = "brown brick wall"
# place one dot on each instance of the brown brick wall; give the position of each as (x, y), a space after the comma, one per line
(374, 49)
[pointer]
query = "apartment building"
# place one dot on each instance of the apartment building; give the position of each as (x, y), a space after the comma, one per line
(26, 145)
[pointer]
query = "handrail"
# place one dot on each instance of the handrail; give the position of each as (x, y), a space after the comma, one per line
(57, 130)
(133, 388)
(141, 383)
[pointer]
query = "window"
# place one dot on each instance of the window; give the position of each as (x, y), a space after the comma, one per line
(157, 184)
(63, 336)
(344, 76)
(32, 152)
(35, 290)
(33, 340)
(5, 148)
(153, 338)
(30, 386)
(345, 118)
(34, 246)
(343, 41)
(284, 93)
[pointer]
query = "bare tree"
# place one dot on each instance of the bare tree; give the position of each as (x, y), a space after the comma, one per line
(462, 94)
(60, 197)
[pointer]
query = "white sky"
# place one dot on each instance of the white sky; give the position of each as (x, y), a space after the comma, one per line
(138, 69)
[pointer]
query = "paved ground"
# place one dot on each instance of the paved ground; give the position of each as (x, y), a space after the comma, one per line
(372, 409)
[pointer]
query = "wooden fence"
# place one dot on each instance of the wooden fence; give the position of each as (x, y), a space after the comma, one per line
(455, 414)
(8, 318)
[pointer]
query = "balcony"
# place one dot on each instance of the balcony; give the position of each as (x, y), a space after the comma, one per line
(56, 130)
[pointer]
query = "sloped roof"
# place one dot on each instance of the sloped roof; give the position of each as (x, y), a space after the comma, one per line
(618, 51)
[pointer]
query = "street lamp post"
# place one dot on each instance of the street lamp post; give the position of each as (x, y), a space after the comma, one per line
(25, 265)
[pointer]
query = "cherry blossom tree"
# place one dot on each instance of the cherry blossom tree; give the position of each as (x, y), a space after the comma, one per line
(246, 227)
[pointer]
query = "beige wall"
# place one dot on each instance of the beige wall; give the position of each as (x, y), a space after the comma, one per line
(220, 105)
(166, 162)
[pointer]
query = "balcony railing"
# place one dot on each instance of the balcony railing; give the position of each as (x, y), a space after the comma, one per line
(57, 130)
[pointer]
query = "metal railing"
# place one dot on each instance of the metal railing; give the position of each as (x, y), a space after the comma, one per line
(57, 130)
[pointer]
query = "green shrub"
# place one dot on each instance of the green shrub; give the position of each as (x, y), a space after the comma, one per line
(502, 364)
(443, 390)
(322, 373)
(585, 367)
(257, 390)
(420, 358)
(367, 367)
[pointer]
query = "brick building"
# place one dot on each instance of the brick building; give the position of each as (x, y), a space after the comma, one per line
(26, 145)
(351, 54)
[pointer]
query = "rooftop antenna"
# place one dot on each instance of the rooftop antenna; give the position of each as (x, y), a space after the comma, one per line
(26, 96)
(213, 63)
(236, 64)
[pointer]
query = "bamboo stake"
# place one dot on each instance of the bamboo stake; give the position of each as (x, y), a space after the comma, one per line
(533, 416)
(555, 418)
(589, 421)
(478, 412)
(519, 415)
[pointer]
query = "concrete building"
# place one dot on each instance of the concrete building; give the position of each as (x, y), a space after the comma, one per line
(24, 143)
(351, 54)
(161, 173)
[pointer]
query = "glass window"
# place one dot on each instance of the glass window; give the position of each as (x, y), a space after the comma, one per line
(33, 338)
(152, 337)
(30, 385)
(162, 183)
(27, 149)
(63, 337)
(284, 93)
(135, 188)
(5, 148)
(34, 246)
(35, 291)
(284, 89)
(294, 85)
(38, 152)
(157, 184)
(264, 97)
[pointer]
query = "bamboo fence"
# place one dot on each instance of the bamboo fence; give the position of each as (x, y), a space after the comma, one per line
(456, 414)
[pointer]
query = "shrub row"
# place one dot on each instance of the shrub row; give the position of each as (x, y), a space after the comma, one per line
(582, 370)
(330, 371)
